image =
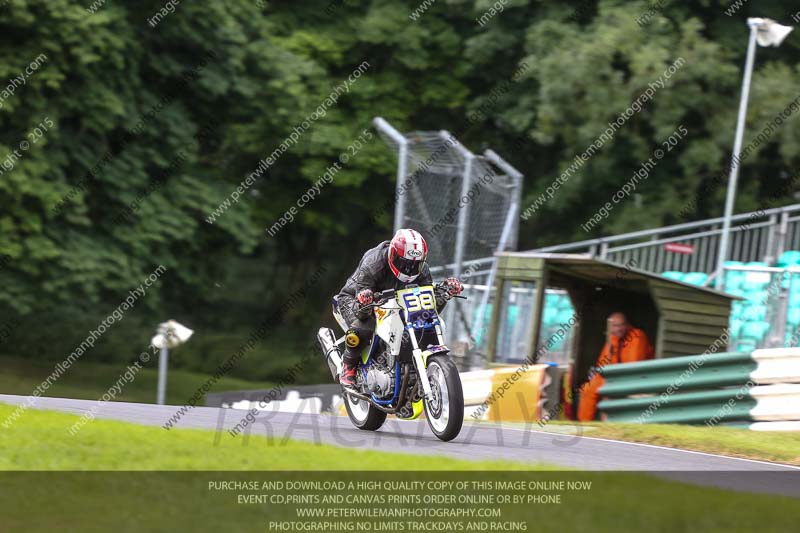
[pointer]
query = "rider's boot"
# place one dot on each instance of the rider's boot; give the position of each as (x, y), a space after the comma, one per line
(349, 366)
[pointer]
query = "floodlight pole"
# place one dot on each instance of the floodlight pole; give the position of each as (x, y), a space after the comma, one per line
(730, 198)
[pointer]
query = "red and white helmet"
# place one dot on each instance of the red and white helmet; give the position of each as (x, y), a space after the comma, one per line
(407, 253)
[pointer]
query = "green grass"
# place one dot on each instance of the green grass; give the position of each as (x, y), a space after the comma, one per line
(86, 380)
(89, 381)
(39, 441)
(183, 501)
(777, 446)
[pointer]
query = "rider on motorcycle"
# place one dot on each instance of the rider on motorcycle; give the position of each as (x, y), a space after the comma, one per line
(392, 264)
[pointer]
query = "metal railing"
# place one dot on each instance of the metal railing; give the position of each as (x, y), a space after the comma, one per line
(756, 236)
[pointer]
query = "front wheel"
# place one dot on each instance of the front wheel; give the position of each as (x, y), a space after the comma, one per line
(362, 414)
(445, 409)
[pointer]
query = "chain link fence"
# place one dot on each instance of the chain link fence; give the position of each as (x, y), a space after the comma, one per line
(466, 206)
(459, 201)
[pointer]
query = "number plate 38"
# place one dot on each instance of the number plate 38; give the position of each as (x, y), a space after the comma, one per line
(422, 301)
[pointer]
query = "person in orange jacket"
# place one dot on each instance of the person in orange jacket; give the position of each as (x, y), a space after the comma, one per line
(625, 344)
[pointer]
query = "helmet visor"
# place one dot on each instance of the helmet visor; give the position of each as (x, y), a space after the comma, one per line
(409, 267)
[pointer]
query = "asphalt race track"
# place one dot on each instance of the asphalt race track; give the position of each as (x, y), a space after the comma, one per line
(476, 442)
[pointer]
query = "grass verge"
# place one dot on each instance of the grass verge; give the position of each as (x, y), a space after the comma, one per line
(775, 446)
(42, 442)
(181, 501)
(89, 381)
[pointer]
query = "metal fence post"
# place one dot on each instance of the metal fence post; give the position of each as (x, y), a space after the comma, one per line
(779, 333)
(507, 238)
(402, 169)
(463, 220)
(516, 198)
(782, 233)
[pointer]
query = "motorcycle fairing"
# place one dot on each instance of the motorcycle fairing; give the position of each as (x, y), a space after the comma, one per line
(387, 322)
(419, 304)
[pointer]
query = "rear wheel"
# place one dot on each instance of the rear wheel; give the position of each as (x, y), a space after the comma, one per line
(362, 414)
(445, 410)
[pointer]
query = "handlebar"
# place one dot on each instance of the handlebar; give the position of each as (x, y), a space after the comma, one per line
(380, 298)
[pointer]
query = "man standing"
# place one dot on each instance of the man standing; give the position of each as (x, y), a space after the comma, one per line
(625, 344)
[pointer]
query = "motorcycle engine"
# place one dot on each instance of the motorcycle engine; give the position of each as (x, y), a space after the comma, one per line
(380, 376)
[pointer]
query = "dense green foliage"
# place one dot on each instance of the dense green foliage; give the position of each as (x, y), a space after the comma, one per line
(154, 126)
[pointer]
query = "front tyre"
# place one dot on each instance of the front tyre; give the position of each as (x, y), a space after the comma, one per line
(445, 410)
(362, 414)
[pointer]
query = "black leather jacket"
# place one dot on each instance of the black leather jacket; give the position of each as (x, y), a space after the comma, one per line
(373, 272)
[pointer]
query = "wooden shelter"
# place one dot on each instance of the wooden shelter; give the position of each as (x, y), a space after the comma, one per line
(679, 318)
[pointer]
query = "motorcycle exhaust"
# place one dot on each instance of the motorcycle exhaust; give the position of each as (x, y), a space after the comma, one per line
(327, 341)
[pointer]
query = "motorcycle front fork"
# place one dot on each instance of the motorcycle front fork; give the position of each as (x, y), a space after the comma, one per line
(422, 372)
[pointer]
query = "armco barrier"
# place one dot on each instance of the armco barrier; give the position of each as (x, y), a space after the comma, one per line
(324, 396)
(739, 388)
(497, 394)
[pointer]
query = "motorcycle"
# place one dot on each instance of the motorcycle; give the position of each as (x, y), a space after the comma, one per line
(406, 369)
